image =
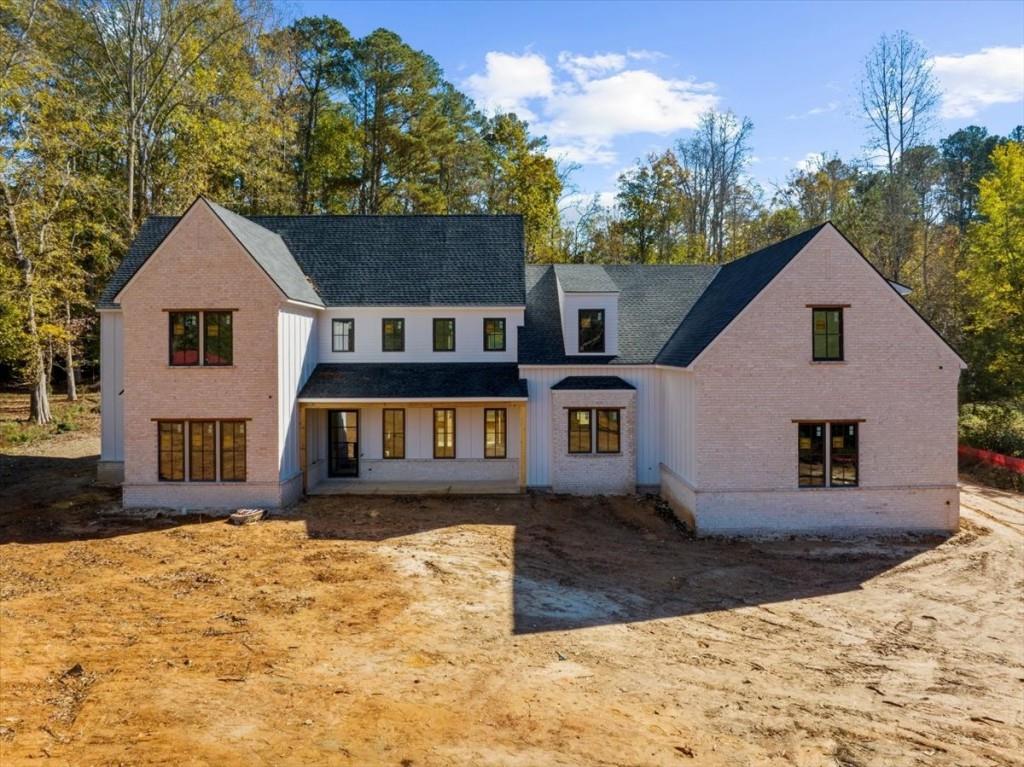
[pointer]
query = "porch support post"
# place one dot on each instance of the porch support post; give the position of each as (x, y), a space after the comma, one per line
(302, 447)
(522, 447)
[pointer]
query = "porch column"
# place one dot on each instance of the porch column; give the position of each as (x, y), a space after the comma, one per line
(302, 446)
(522, 447)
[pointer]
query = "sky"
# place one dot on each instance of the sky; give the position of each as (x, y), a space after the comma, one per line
(610, 82)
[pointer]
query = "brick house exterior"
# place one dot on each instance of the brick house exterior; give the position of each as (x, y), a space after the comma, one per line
(793, 390)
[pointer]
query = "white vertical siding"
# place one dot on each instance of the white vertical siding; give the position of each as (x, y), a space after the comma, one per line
(296, 359)
(678, 415)
(648, 417)
(111, 386)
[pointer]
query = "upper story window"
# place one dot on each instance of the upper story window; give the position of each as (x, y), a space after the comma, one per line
(393, 335)
(444, 335)
(494, 334)
(827, 327)
(214, 346)
(343, 335)
(591, 330)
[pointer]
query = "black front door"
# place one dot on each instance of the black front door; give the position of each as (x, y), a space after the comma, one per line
(343, 443)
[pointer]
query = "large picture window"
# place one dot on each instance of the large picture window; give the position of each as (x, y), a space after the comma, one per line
(608, 431)
(343, 335)
(232, 451)
(828, 454)
(444, 432)
(494, 334)
(580, 437)
(202, 451)
(495, 431)
(394, 433)
(184, 338)
(444, 335)
(393, 335)
(827, 331)
(591, 330)
(843, 455)
(217, 338)
(171, 448)
(811, 454)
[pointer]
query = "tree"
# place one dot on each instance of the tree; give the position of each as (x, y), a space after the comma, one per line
(994, 277)
(651, 202)
(965, 159)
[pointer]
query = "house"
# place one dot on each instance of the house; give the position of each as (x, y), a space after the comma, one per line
(246, 361)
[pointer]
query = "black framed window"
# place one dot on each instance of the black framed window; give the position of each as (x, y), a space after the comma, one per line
(608, 430)
(827, 334)
(218, 338)
(444, 335)
(184, 338)
(343, 335)
(393, 335)
(444, 432)
(202, 451)
(843, 458)
(394, 433)
(494, 334)
(811, 454)
(171, 450)
(580, 437)
(591, 330)
(232, 451)
(495, 431)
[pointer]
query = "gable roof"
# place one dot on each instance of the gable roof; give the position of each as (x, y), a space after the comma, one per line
(592, 383)
(472, 260)
(584, 278)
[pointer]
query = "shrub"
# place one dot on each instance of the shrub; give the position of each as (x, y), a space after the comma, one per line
(994, 426)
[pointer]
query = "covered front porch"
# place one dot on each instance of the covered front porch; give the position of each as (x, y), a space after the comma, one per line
(413, 429)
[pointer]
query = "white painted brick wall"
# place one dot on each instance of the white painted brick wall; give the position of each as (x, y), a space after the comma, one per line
(593, 473)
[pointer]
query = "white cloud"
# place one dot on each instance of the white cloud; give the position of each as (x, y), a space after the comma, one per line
(811, 161)
(591, 100)
(831, 106)
(976, 80)
(509, 81)
(645, 55)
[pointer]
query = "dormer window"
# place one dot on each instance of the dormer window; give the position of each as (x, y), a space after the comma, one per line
(591, 331)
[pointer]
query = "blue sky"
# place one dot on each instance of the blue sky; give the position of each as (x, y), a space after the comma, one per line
(610, 82)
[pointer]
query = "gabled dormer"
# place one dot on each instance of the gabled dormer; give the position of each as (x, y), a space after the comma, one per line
(588, 302)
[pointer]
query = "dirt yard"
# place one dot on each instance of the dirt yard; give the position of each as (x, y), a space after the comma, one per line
(493, 631)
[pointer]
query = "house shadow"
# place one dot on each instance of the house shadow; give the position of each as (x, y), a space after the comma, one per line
(579, 563)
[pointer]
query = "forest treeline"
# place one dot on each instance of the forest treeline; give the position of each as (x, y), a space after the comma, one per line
(112, 110)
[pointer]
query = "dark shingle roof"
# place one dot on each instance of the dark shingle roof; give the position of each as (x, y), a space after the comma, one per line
(373, 260)
(414, 381)
(733, 288)
(584, 278)
(592, 383)
(652, 302)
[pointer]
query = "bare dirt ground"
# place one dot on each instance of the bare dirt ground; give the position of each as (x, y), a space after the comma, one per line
(493, 631)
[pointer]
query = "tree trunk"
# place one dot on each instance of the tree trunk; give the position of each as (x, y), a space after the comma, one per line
(69, 356)
(39, 401)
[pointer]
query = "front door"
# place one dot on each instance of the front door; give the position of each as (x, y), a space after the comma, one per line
(343, 443)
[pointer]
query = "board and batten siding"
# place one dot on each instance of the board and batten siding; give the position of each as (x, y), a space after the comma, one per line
(678, 419)
(111, 386)
(296, 359)
(540, 379)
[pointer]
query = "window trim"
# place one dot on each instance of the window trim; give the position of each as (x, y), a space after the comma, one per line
(434, 325)
(504, 432)
(824, 454)
(579, 335)
(839, 334)
(201, 422)
(826, 483)
(504, 333)
(434, 433)
(335, 321)
(590, 431)
(231, 323)
(199, 338)
(856, 457)
(383, 333)
(234, 449)
(159, 451)
(384, 434)
(597, 430)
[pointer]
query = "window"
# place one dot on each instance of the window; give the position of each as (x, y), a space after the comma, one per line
(394, 433)
(591, 330)
(494, 334)
(393, 335)
(579, 431)
(217, 340)
(202, 455)
(843, 455)
(232, 451)
(444, 432)
(495, 429)
(812, 454)
(184, 338)
(343, 335)
(171, 447)
(608, 431)
(444, 335)
(827, 334)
